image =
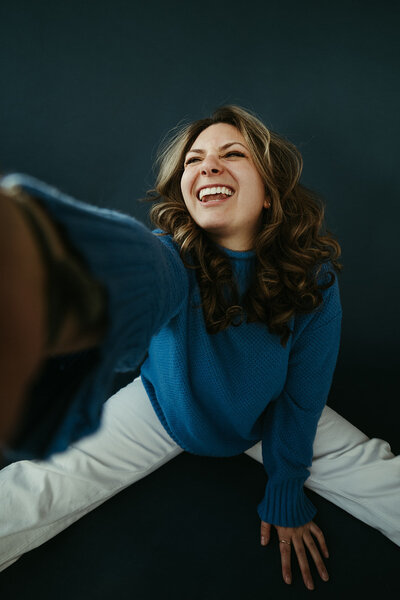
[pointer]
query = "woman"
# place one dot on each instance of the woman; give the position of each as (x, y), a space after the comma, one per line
(236, 302)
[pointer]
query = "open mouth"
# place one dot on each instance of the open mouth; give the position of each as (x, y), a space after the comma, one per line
(219, 192)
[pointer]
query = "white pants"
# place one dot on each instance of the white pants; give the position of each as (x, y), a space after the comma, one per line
(38, 499)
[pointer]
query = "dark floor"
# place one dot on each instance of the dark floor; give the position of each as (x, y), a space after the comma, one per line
(190, 531)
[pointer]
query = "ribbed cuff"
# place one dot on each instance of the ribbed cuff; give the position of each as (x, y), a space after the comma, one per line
(286, 504)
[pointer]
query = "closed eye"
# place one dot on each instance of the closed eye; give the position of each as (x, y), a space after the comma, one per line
(192, 159)
(235, 153)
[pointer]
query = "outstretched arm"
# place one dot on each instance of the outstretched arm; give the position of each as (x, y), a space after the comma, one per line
(91, 279)
(24, 302)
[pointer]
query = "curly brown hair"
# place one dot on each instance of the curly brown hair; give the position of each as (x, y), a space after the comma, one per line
(291, 246)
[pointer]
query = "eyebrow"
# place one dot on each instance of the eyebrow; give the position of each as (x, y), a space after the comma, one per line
(199, 151)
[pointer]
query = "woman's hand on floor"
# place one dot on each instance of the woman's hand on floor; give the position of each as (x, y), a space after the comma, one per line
(300, 538)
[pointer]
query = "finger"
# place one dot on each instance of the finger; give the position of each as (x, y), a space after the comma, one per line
(315, 530)
(286, 555)
(316, 556)
(303, 562)
(265, 533)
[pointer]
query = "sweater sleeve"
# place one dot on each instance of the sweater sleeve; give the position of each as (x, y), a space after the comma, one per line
(145, 283)
(291, 420)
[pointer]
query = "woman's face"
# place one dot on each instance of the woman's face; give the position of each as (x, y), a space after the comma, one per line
(222, 189)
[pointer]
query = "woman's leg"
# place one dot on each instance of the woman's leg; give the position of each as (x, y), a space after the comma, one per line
(359, 474)
(39, 499)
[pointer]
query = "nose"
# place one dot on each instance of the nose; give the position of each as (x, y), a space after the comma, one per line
(211, 166)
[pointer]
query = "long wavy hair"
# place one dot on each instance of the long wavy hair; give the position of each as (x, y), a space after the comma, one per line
(290, 247)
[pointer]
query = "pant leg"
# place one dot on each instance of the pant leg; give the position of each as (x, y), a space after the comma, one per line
(359, 474)
(38, 499)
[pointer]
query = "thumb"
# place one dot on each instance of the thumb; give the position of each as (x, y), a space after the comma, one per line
(265, 533)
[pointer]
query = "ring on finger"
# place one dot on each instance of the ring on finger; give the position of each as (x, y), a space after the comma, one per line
(282, 541)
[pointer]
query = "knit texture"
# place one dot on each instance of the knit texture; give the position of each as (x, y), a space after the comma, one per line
(123, 254)
(216, 395)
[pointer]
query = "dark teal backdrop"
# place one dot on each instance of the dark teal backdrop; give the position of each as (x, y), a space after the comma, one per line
(90, 88)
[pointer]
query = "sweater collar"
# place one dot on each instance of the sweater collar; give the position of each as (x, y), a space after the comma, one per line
(238, 254)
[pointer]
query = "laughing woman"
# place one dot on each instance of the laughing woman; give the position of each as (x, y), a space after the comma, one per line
(232, 309)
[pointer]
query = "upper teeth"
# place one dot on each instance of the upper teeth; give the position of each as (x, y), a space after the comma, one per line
(215, 190)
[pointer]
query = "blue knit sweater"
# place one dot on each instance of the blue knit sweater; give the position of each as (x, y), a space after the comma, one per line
(216, 395)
